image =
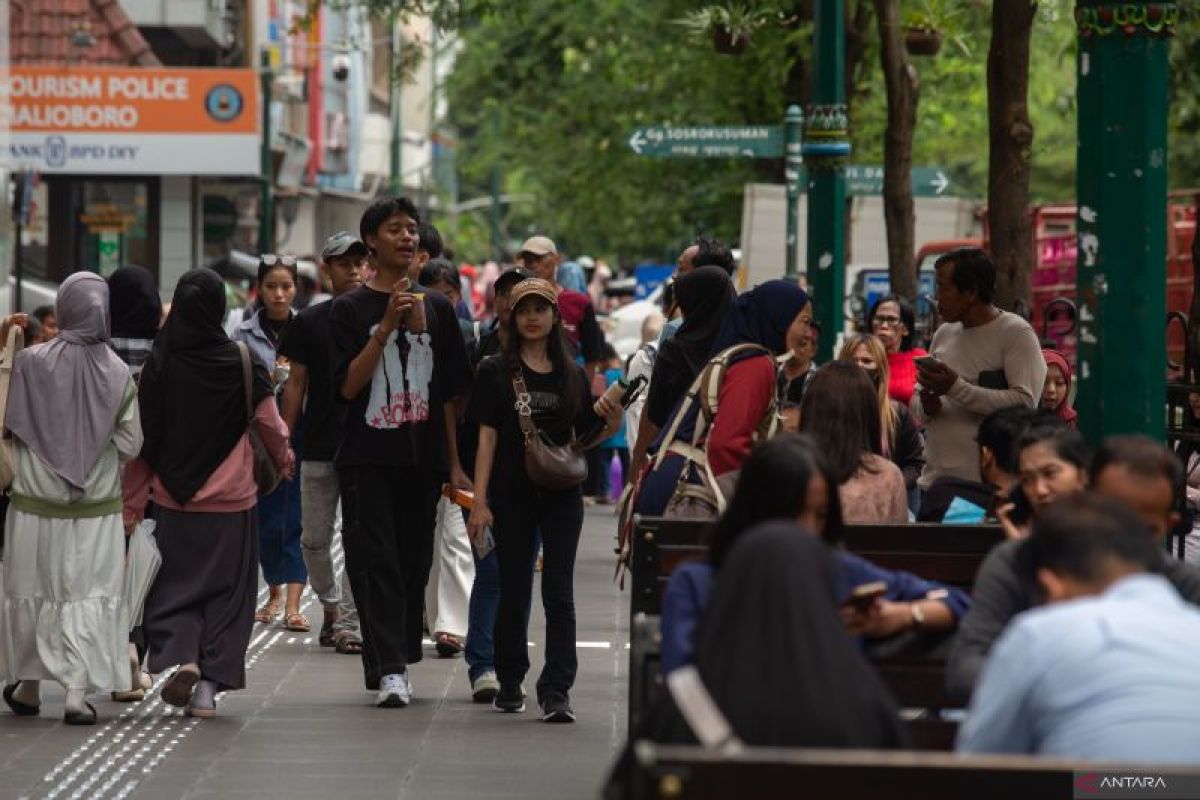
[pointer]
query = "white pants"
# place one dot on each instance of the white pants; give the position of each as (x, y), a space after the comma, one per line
(448, 591)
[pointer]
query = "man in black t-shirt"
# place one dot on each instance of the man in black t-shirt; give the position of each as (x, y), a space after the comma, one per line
(400, 365)
(310, 392)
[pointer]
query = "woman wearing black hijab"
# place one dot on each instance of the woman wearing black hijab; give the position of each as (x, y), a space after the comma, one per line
(136, 311)
(196, 466)
(813, 688)
(704, 295)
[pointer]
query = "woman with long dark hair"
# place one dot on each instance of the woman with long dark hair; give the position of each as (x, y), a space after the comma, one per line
(810, 688)
(279, 525)
(902, 443)
(841, 412)
(788, 479)
(556, 393)
(893, 321)
(197, 467)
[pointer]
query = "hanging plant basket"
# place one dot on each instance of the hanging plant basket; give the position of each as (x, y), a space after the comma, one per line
(729, 43)
(922, 41)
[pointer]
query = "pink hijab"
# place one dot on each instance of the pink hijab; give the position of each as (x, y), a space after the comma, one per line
(1056, 359)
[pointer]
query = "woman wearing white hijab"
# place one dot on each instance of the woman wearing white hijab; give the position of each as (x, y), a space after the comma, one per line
(73, 416)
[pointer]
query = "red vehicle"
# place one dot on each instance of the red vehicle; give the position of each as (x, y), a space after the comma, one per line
(1053, 292)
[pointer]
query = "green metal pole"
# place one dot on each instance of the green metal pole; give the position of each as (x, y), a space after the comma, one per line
(793, 124)
(826, 149)
(1123, 82)
(266, 221)
(395, 181)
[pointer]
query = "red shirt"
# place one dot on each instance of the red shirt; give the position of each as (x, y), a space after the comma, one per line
(745, 397)
(902, 380)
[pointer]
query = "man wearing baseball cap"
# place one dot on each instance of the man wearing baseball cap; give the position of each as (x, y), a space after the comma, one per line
(306, 345)
(540, 258)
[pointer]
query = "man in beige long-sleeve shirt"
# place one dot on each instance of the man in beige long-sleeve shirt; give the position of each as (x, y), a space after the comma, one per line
(986, 359)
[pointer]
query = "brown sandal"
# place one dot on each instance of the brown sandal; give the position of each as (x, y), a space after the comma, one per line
(348, 644)
(268, 612)
(297, 623)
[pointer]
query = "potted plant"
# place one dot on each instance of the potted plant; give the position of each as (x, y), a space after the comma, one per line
(923, 29)
(731, 27)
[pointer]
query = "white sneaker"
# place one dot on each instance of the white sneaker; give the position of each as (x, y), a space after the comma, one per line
(485, 688)
(395, 691)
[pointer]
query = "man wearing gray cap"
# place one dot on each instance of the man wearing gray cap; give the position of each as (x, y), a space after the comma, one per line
(539, 255)
(306, 345)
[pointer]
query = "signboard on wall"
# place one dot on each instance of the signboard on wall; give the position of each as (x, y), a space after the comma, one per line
(141, 121)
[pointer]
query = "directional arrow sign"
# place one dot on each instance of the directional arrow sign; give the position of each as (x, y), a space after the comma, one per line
(867, 179)
(711, 141)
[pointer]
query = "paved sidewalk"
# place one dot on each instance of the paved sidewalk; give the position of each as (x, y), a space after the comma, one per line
(305, 727)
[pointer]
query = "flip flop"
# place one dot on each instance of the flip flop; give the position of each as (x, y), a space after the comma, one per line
(267, 613)
(297, 623)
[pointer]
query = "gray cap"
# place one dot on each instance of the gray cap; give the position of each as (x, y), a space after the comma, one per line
(341, 243)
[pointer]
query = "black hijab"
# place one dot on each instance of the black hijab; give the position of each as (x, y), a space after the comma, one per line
(134, 304)
(191, 394)
(812, 688)
(704, 296)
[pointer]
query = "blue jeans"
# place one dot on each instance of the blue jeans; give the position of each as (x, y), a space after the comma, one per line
(480, 651)
(279, 533)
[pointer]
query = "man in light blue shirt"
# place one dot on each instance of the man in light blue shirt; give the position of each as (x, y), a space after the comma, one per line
(1111, 669)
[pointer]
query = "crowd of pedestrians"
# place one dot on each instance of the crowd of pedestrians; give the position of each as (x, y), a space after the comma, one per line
(451, 455)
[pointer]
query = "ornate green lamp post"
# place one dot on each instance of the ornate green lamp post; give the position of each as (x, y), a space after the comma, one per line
(1123, 85)
(826, 149)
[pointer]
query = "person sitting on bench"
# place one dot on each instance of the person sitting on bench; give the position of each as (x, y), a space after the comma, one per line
(961, 501)
(1106, 672)
(811, 688)
(1136, 470)
(786, 479)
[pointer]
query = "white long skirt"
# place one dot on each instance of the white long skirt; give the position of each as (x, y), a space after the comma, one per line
(61, 610)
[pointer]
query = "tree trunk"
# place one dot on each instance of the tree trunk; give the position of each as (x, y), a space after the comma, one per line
(903, 89)
(1011, 140)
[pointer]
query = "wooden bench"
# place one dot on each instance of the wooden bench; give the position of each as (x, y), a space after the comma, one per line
(913, 668)
(673, 771)
(950, 554)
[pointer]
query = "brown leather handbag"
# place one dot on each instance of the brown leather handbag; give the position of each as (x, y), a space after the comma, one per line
(555, 467)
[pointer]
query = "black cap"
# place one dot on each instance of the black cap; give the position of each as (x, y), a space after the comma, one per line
(509, 279)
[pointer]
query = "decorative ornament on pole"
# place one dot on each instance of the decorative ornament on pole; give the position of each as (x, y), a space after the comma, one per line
(826, 137)
(1128, 19)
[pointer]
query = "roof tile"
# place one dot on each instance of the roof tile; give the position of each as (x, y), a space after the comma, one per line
(41, 32)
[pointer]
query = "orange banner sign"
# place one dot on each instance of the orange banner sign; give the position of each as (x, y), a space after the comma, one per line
(64, 99)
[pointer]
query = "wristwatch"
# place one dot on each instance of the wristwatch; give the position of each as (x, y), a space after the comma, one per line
(918, 616)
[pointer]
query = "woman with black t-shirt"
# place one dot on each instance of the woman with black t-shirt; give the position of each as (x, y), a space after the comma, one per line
(507, 501)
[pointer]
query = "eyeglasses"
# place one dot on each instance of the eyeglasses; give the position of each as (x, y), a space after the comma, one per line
(884, 319)
(274, 260)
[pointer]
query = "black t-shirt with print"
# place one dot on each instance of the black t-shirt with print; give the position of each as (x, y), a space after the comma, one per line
(493, 403)
(397, 420)
(306, 341)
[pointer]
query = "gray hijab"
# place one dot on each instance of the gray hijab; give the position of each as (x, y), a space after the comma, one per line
(65, 394)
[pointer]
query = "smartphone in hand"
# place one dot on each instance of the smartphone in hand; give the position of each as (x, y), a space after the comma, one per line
(926, 361)
(864, 596)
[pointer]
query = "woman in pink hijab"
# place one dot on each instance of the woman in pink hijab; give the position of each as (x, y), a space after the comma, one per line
(1056, 395)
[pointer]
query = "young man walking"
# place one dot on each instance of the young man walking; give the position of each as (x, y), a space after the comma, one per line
(400, 365)
(309, 394)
